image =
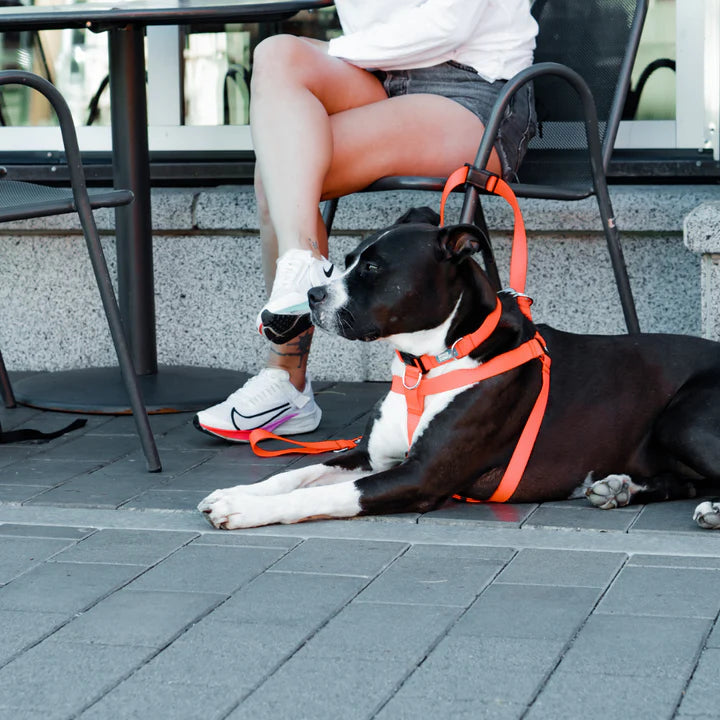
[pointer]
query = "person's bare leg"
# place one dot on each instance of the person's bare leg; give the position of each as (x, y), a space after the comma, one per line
(296, 86)
(332, 149)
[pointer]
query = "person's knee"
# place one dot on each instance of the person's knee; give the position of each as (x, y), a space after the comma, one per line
(278, 58)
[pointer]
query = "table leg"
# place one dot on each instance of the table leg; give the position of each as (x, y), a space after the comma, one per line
(131, 169)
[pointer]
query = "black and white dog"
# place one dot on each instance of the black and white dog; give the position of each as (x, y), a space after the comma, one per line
(628, 419)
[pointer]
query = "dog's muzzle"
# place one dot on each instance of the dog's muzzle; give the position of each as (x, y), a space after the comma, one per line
(330, 311)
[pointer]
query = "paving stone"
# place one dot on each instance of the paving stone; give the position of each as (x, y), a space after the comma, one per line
(482, 671)
(597, 696)
(133, 466)
(96, 490)
(580, 518)
(149, 618)
(349, 688)
(18, 494)
(676, 592)
(383, 631)
(528, 611)
(700, 698)
(289, 598)
(653, 647)
(713, 640)
(139, 699)
(562, 567)
(217, 537)
(433, 575)
(160, 423)
(480, 513)
(19, 554)
(45, 473)
(224, 658)
(165, 499)
(209, 568)
(141, 547)
(340, 557)
(675, 561)
(672, 516)
(219, 472)
(46, 531)
(64, 677)
(20, 629)
(12, 454)
(64, 587)
(96, 448)
(440, 702)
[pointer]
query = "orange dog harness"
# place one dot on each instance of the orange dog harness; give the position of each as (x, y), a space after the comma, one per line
(414, 384)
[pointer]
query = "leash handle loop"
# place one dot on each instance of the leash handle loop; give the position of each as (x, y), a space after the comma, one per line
(495, 185)
(303, 448)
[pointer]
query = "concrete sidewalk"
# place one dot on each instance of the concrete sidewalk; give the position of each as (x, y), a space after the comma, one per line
(117, 599)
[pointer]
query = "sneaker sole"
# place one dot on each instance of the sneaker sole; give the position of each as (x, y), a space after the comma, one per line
(280, 329)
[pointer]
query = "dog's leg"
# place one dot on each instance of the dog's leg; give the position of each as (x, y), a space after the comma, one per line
(688, 430)
(395, 490)
(230, 510)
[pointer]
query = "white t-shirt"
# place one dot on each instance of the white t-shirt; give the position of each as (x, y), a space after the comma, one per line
(495, 37)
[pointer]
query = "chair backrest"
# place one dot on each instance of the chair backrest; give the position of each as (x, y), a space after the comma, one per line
(598, 39)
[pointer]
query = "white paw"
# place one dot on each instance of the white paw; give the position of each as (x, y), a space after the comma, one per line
(707, 515)
(610, 492)
(233, 508)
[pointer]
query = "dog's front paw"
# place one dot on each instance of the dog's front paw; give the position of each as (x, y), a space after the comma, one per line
(611, 492)
(707, 515)
(232, 508)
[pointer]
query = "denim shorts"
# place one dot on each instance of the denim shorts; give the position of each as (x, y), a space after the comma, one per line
(462, 84)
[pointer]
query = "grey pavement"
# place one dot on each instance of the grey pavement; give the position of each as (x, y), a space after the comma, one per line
(118, 600)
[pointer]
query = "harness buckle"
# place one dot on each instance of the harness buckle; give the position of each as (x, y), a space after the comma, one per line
(412, 361)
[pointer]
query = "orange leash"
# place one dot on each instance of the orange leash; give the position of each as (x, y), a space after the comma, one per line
(305, 448)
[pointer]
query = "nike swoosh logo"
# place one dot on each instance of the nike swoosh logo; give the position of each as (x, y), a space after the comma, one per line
(328, 273)
(261, 418)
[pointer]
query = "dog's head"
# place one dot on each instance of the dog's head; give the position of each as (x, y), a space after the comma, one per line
(404, 279)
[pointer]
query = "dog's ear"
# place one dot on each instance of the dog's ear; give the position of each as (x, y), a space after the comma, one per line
(459, 241)
(419, 215)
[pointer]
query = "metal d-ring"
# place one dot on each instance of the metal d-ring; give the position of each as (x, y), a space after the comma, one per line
(415, 385)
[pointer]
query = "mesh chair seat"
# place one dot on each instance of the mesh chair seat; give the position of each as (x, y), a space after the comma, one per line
(21, 200)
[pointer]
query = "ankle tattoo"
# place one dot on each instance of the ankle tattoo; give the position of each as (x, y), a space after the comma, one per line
(298, 348)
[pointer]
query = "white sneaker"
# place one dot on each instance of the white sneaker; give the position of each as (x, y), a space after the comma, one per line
(287, 313)
(269, 401)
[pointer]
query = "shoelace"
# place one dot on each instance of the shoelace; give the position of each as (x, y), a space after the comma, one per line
(257, 388)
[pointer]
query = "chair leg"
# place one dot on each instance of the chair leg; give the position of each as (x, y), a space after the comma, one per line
(612, 235)
(112, 312)
(5, 388)
(328, 213)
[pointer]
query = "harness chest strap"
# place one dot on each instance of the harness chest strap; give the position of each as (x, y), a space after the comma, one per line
(531, 350)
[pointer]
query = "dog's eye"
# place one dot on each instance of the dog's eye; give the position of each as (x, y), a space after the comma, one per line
(369, 268)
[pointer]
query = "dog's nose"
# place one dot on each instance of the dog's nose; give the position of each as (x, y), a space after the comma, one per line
(317, 294)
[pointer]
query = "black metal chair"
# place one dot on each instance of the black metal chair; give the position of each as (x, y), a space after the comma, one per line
(583, 61)
(20, 200)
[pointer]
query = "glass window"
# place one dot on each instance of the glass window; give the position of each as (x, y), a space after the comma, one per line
(675, 81)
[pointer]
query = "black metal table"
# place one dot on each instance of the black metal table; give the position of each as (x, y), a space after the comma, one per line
(166, 389)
